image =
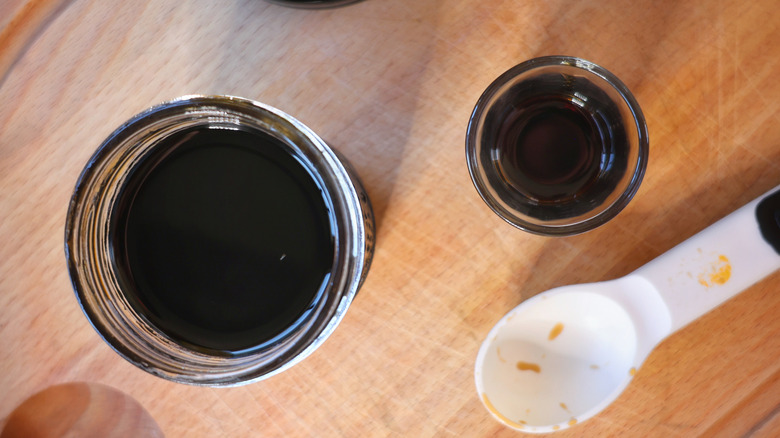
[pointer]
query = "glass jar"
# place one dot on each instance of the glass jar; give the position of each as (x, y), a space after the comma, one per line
(103, 290)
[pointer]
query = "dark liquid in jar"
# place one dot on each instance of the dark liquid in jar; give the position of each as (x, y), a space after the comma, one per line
(223, 239)
(554, 147)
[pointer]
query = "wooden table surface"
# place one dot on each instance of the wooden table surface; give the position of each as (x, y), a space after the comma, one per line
(391, 85)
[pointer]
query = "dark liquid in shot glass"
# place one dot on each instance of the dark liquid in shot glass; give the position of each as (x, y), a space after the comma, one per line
(555, 146)
(223, 239)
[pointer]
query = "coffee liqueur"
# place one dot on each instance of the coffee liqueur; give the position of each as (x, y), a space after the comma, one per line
(553, 146)
(224, 239)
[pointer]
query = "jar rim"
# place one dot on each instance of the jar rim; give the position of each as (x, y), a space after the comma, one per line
(94, 275)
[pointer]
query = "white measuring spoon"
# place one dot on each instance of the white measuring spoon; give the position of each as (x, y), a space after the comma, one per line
(562, 356)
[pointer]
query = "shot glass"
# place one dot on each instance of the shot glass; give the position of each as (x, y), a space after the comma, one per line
(557, 146)
(215, 240)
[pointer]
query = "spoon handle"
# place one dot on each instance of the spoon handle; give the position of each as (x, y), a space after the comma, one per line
(719, 262)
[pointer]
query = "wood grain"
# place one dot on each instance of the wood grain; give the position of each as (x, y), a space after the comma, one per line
(21, 22)
(79, 409)
(391, 85)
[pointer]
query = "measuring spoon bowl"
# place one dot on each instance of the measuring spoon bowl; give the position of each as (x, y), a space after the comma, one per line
(564, 355)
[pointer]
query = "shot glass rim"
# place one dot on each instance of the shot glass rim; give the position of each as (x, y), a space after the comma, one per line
(591, 222)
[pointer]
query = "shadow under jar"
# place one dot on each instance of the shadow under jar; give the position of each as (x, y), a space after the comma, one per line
(557, 146)
(214, 240)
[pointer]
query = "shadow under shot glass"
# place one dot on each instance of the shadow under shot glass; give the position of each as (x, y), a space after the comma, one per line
(214, 240)
(557, 146)
(313, 4)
